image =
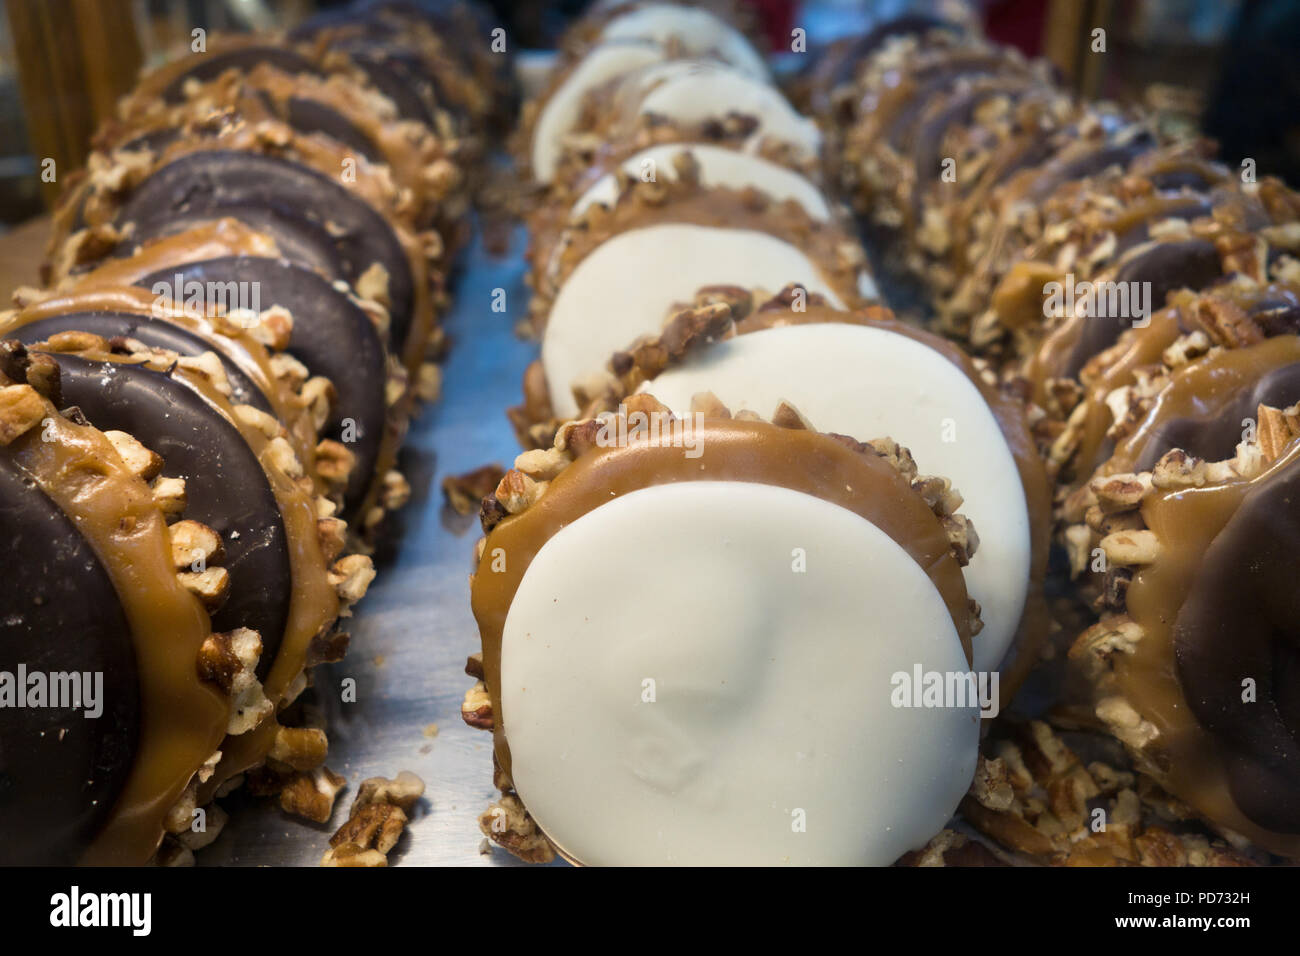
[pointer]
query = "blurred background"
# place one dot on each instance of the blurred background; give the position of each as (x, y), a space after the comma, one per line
(1231, 67)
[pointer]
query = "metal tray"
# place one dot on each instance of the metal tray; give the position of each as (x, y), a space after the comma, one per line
(411, 634)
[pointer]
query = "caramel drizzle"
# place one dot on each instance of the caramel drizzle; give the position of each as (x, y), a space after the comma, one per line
(1188, 758)
(1185, 757)
(183, 719)
(313, 608)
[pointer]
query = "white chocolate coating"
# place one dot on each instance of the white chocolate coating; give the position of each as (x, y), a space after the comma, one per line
(626, 286)
(697, 32)
(871, 383)
(693, 91)
(718, 167)
(601, 64)
(772, 687)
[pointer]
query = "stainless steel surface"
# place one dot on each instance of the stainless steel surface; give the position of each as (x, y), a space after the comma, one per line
(412, 632)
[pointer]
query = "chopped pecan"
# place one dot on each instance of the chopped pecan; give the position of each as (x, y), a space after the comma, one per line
(992, 784)
(576, 438)
(229, 660)
(787, 416)
(311, 795)
(351, 576)
(474, 665)
(1275, 431)
(334, 461)
(542, 464)
(281, 455)
(465, 492)
(476, 708)
(139, 460)
(509, 825)
(1131, 547)
(302, 748)
(328, 647)
(961, 536)
(319, 396)
(374, 826)
(1226, 323)
(395, 490)
(349, 854)
(169, 495)
(403, 791)
(1121, 492)
(211, 585)
(1177, 469)
(76, 342)
(491, 513)
(21, 410)
(516, 492)
(332, 534)
(428, 382)
(375, 822)
(194, 542)
(208, 366)
(1159, 847)
(214, 821)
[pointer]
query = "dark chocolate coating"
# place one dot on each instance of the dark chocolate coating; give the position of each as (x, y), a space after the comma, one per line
(937, 78)
(331, 336)
(409, 69)
(209, 66)
(1035, 152)
(1057, 174)
(154, 332)
(1168, 266)
(1185, 208)
(1180, 178)
(1216, 439)
(60, 771)
(153, 141)
(470, 24)
(376, 44)
(1242, 620)
(225, 486)
(909, 24)
(935, 125)
(395, 78)
(299, 239)
(1277, 312)
(210, 182)
(312, 116)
